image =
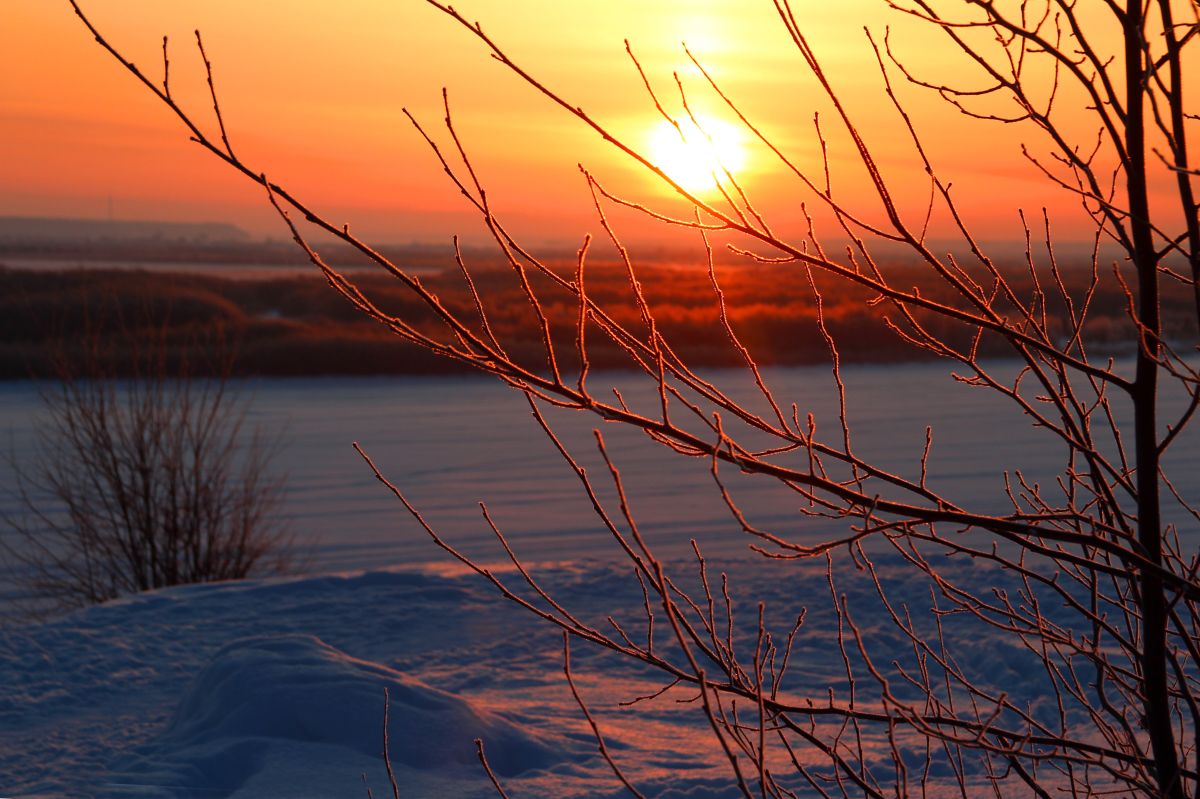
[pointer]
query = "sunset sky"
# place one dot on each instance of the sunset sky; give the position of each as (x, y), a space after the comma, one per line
(312, 93)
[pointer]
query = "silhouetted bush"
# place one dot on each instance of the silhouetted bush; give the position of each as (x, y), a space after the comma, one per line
(141, 482)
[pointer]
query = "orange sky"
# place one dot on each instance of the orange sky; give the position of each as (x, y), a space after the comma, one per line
(312, 93)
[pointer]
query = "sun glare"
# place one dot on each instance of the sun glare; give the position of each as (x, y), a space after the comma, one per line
(697, 155)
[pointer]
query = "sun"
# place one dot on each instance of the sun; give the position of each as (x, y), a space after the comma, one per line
(698, 155)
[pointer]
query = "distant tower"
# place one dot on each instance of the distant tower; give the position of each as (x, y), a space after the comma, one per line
(110, 208)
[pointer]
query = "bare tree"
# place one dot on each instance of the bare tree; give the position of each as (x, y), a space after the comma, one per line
(1104, 589)
(143, 476)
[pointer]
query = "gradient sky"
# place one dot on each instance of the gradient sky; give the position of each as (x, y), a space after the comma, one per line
(312, 93)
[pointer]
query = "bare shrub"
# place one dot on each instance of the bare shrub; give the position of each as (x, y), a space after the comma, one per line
(1096, 584)
(143, 477)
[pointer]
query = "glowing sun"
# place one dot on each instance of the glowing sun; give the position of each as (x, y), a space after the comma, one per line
(697, 156)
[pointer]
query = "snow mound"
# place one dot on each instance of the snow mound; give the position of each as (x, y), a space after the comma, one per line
(270, 701)
(297, 687)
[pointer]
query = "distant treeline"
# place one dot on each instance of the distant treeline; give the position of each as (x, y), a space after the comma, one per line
(297, 325)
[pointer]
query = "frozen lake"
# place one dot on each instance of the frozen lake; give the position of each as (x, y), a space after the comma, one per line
(452, 442)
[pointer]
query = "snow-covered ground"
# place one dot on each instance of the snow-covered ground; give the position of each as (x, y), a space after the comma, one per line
(274, 688)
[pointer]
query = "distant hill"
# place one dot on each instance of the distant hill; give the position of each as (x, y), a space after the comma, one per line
(34, 230)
